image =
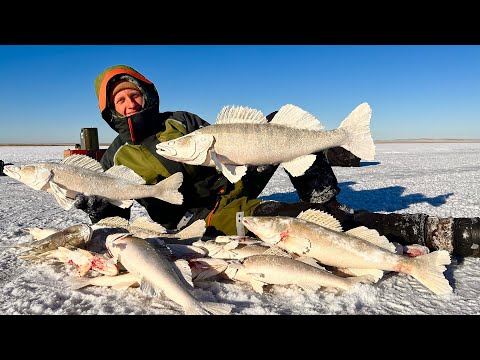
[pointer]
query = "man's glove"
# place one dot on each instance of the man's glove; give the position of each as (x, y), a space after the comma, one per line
(99, 208)
(94, 206)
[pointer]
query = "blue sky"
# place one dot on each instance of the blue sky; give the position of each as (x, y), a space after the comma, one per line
(415, 91)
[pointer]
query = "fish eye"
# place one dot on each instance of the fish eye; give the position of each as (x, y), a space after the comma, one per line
(170, 143)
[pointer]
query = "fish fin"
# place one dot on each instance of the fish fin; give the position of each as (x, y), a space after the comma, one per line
(240, 114)
(148, 288)
(127, 280)
(310, 287)
(428, 269)
(168, 189)
(374, 274)
(215, 308)
(114, 222)
(298, 166)
(310, 261)
(205, 268)
(295, 117)
(183, 271)
(76, 283)
(83, 268)
(39, 233)
(231, 245)
(257, 285)
(232, 268)
(60, 195)
(357, 127)
(321, 218)
(84, 252)
(232, 172)
(363, 279)
(83, 161)
(373, 237)
(196, 229)
(297, 245)
(275, 250)
(147, 224)
(187, 251)
(124, 172)
(124, 204)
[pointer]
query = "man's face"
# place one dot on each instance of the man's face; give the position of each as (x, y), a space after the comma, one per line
(128, 102)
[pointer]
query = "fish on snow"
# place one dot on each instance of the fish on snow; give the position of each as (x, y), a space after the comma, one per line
(358, 248)
(156, 274)
(242, 136)
(83, 174)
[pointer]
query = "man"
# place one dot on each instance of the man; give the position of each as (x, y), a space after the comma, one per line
(130, 104)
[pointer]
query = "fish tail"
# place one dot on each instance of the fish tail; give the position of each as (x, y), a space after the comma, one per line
(168, 189)
(359, 139)
(428, 270)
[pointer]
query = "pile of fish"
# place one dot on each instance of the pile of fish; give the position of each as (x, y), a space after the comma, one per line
(311, 251)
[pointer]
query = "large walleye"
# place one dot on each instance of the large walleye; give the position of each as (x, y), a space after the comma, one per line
(157, 274)
(358, 248)
(261, 270)
(83, 174)
(242, 136)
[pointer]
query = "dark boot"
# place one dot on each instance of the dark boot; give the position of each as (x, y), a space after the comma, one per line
(466, 237)
(318, 184)
(405, 229)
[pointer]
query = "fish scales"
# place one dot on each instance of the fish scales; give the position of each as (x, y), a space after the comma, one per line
(275, 140)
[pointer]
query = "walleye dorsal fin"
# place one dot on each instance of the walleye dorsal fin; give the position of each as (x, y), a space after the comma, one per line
(295, 117)
(126, 173)
(183, 271)
(372, 236)
(298, 166)
(83, 161)
(114, 222)
(240, 114)
(232, 172)
(196, 229)
(321, 218)
(145, 223)
(61, 196)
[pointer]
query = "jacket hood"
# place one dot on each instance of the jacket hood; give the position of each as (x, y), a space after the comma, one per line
(125, 126)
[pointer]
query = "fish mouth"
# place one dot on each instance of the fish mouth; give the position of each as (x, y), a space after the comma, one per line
(12, 171)
(165, 150)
